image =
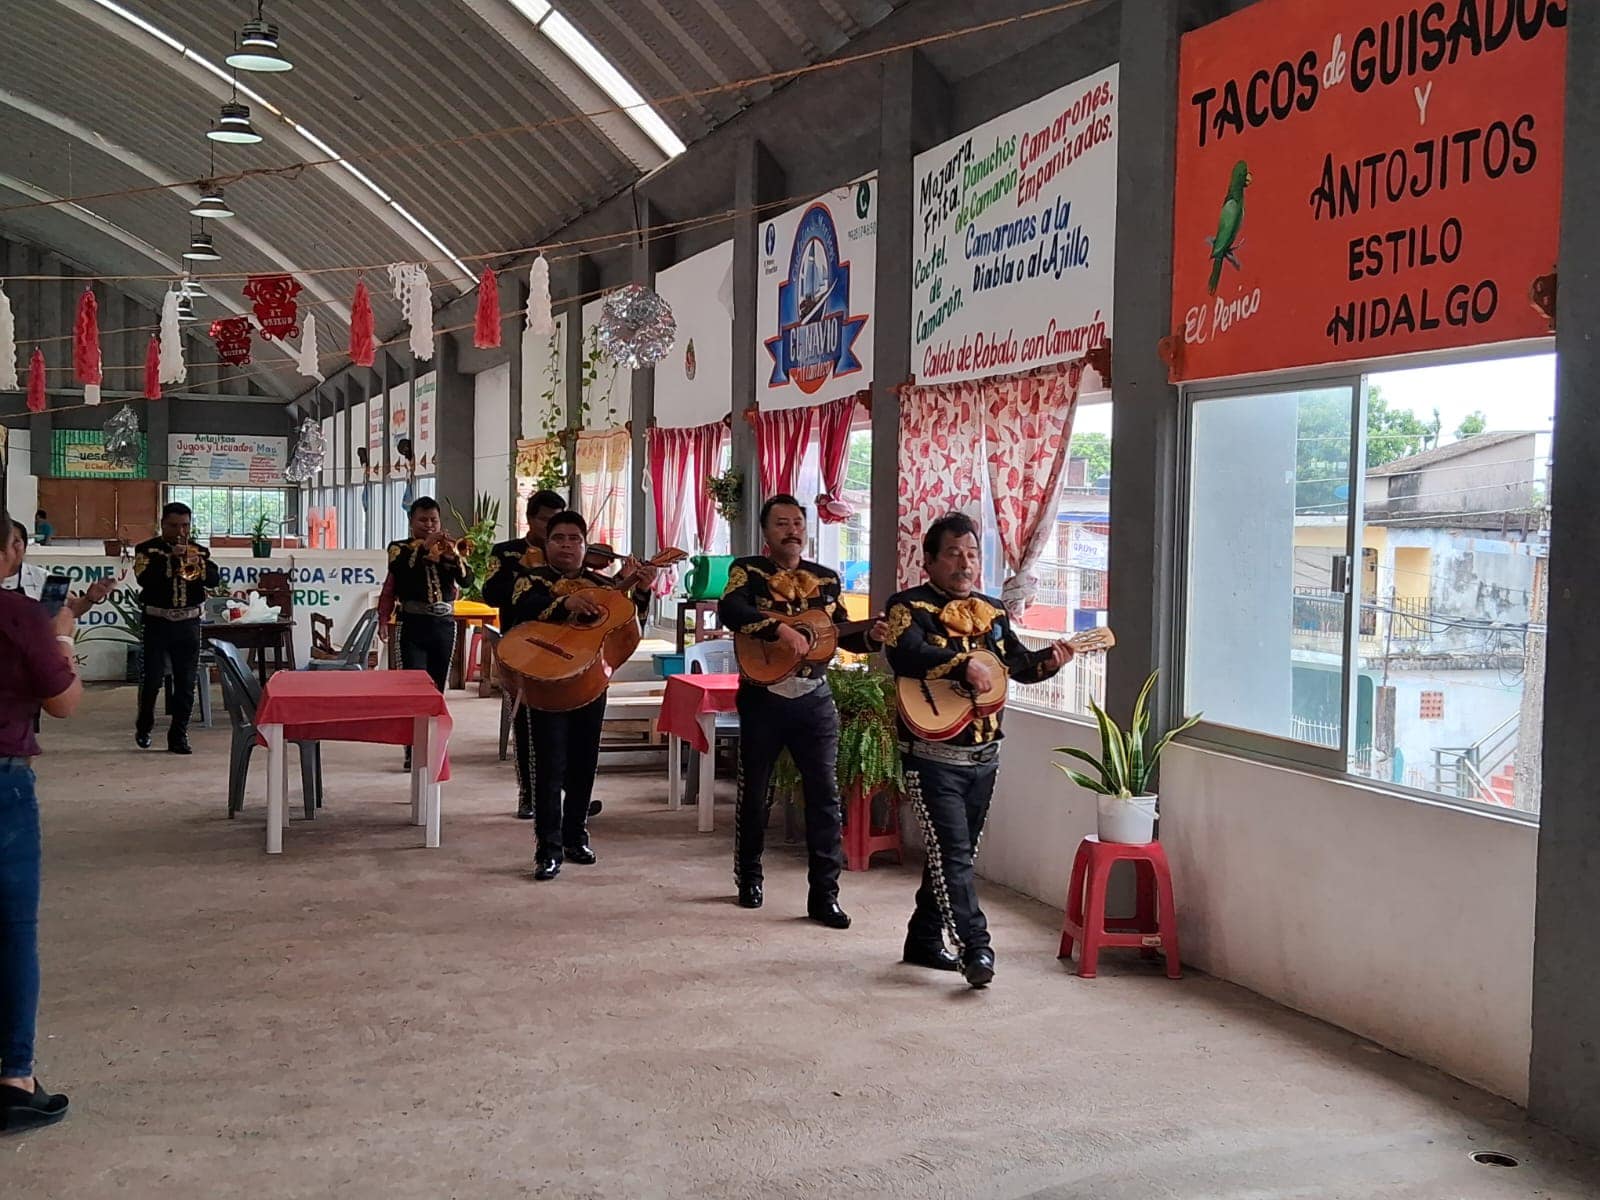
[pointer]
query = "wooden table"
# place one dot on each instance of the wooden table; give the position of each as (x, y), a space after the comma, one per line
(468, 613)
(689, 709)
(256, 638)
(396, 708)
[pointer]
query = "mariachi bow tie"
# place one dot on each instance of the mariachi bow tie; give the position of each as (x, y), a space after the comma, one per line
(968, 618)
(794, 586)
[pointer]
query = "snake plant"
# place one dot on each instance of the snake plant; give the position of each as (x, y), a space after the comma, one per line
(1126, 765)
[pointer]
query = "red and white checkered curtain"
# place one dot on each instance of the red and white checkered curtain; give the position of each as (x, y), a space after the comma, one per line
(833, 444)
(781, 437)
(672, 458)
(709, 441)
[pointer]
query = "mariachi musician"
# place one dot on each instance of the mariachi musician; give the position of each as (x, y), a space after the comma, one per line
(509, 562)
(566, 745)
(174, 576)
(796, 713)
(933, 632)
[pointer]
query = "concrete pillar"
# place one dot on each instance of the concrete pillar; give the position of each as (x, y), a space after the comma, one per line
(649, 256)
(455, 400)
(1564, 1070)
(757, 180)
(579, 277)
(915, 116)
(1144, 423)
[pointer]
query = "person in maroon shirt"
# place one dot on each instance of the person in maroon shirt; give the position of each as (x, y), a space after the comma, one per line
(36, 672)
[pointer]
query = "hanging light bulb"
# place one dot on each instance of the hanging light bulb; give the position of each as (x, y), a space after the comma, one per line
(234, 126)
(185, 307)
(258, 47)
(202, 248)
(211, 203)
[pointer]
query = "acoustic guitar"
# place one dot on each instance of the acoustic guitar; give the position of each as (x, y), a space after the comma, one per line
(559, 666)
(936, 710)
(771, 662)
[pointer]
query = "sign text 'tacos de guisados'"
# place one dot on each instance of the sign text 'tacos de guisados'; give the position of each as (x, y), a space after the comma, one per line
(1364, 178)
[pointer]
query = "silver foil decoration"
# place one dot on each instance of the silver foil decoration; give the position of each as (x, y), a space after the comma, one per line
(310, 448)
(120, 437)
(637, 328)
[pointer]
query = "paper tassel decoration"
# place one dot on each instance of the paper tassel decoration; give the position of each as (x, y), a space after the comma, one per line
(410, 283)
(36, 381)
(171, 369)
(305, 360)
(232, 338)
(86, 346)
(152, 369)
(272, 299)
(8, 345)
(362, 350)
(486, 329)
(541, 321)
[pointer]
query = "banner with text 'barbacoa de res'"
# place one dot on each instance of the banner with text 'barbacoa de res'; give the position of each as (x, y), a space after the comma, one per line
(1364, 178)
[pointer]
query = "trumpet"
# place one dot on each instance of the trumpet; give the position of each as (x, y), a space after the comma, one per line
(192, 566)
(441, 546)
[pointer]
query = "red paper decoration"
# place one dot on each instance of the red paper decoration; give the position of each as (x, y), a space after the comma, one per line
(86, 339)
(272, 297)
(36, 381)
(486, 329)
(152, 369)
(232, 336)
(363, 351)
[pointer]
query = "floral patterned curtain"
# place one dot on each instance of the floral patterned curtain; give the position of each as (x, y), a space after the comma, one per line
(604, 460)
(1027, 427)
(941, 431)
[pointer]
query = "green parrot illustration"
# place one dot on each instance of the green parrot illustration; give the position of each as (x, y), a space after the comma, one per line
(1229, 223)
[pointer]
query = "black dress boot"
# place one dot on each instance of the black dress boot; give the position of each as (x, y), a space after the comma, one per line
(582, 854)
(750, 895)
(524, 808)
(825, 910)
(935, 958)
(178, 742)
(547, 863)
(978, 966)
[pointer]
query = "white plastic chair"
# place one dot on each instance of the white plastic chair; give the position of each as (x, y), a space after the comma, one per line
(714, 656)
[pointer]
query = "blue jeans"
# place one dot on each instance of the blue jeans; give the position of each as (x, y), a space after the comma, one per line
(19, 920)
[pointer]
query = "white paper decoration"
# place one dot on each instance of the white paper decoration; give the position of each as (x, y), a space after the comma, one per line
(305, 359)
(410, 282)
(170, 366)
(8, 346)
(541, 321)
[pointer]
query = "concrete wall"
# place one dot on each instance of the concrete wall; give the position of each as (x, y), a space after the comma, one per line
(491, 439)
(1405, 922)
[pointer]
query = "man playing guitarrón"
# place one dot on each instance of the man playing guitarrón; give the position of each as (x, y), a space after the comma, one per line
(795, 714)
(566, 745)
(933, 632)
(509, 562)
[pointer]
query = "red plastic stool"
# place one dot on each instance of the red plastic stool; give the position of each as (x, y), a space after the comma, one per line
(1154, 926)
(861, 840)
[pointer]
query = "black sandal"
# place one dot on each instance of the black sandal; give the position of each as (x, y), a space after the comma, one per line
(29, 1110)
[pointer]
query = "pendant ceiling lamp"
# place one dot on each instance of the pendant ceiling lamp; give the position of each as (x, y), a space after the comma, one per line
(185, 308)
(202, 248)
(233, 126)
(258, 47)
(211, 203)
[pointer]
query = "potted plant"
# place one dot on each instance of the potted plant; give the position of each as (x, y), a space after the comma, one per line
(260, 541)
(1127, 806)
(480, 532)
(726, 490)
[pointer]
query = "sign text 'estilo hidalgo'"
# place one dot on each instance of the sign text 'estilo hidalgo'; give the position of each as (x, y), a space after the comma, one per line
(1364, 178)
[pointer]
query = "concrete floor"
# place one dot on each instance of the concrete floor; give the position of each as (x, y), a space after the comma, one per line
(362, 1017)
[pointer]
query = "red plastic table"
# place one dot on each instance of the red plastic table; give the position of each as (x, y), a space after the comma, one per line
(394, 708)
(689, 709)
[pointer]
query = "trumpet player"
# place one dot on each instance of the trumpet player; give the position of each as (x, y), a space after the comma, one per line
(427, 572)
(174, 574)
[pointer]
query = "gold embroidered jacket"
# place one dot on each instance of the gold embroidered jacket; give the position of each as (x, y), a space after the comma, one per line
(155, 566)
(932, 635)
(420, 579)
(508, 562)
(758, 587)
(539, 591)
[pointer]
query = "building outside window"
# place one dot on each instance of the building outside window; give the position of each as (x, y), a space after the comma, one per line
(231, 511)
(1399, 638)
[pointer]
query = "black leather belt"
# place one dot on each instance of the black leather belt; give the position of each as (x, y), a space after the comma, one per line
(419, 608)
(953, 756)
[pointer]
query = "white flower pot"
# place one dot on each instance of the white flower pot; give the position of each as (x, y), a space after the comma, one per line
(1127, 822)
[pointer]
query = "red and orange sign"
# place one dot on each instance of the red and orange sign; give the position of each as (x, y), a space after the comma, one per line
(1364, 178)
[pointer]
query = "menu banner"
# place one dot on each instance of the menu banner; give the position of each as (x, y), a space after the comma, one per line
(1015, 238)
(1364, 178)
(221, 459)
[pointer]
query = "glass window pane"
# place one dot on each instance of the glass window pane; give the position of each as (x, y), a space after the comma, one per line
(1451, 660)
(1268, 511)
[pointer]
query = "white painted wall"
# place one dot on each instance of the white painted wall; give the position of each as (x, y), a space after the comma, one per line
(1405, 922)
(491, 440)
(22, 487)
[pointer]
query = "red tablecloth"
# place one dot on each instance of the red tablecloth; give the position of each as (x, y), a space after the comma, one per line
(353, 706)
(687, 696)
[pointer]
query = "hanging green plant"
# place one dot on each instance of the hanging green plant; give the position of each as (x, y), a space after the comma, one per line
(727, 489)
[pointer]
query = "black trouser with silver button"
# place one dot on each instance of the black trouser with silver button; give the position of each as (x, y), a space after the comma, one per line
(808, 727)
(566, 758)
(951, 802)
(427, 644)
(170, 647)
